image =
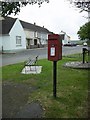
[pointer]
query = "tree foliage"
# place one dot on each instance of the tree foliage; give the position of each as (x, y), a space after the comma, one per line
(84, 32)
(9, 7)
(83, 5)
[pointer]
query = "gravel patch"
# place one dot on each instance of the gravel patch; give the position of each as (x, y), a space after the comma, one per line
(77, 64)
(32, 70)
(15, 98)
(33, 110)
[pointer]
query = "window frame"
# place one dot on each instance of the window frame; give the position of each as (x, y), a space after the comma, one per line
(18, 41)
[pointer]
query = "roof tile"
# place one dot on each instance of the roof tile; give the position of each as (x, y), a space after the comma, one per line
(7, 24)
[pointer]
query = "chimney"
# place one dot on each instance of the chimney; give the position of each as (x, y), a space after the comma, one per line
(43, 26)
(34, 23)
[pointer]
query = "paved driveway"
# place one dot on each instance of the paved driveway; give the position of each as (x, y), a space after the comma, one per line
(21, 56)
(15, 101)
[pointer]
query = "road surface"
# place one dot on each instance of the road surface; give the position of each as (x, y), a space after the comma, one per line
(20, 56)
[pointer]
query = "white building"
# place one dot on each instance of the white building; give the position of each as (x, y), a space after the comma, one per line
(16, 35)
(12, 36)
(65, 38)
(36, 36)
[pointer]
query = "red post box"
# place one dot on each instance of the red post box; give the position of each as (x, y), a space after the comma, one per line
(54, 47)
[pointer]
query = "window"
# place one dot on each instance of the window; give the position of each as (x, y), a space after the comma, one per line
(35, 34)
(18, 41)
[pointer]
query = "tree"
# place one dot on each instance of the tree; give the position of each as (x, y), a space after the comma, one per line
(84, 32)
(83, 5)
(9, 7)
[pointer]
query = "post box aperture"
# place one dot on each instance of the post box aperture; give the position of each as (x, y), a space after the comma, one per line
(54, 47)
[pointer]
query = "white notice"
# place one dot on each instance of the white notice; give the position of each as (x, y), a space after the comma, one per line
(52, 52)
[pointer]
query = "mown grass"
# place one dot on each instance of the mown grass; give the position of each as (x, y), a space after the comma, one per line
(72, 87)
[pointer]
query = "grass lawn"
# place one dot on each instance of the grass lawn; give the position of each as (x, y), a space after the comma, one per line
(72, 87)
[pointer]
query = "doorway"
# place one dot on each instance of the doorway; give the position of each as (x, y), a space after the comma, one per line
(35, 41)
(28, 44)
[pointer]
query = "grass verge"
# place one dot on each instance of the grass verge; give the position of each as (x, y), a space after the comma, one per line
(72, 87)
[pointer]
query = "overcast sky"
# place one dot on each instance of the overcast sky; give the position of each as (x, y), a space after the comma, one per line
(56, 15)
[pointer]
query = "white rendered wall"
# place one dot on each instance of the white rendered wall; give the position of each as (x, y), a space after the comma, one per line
(6, 42)
(29, 34)
(17, 30)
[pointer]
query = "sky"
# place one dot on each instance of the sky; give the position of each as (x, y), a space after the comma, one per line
(56, 16)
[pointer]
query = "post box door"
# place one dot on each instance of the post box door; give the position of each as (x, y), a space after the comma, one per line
(54, 47)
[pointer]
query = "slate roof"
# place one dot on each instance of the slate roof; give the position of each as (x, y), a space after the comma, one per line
(33, 27)
(8, 23)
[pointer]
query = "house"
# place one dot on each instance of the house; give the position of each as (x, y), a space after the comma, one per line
(36, 36)
(12, 35)
(17, 35)
(65, 38)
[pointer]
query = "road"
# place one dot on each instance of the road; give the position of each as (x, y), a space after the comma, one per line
(20, 56)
